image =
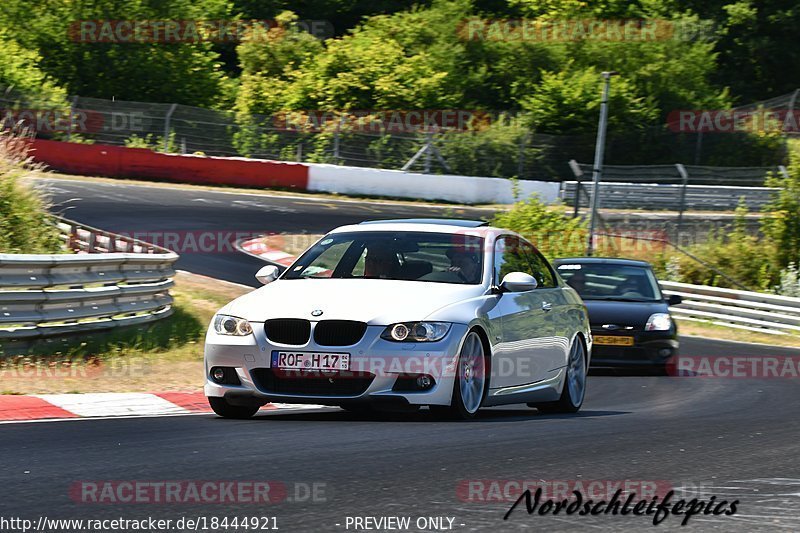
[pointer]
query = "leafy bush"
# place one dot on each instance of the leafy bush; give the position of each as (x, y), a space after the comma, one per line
(25, 226)
(553, 233)
(782, 226)
(790, 281)
(736, 254)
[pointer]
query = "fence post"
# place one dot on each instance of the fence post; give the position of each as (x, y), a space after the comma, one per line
(576, 169)
(685, 183)
(336, 140)
(72, 106)
(428, 152)
(166, 126)
(698, 148)
(523, 142)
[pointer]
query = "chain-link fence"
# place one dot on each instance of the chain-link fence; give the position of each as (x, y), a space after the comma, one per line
(505, 149)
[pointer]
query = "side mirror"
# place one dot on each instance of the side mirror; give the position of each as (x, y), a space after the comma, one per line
(267, 274)
(674, 299)
(518, 282)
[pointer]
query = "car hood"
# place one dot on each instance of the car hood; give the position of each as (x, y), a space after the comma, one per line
(623, 313)
(375, 301)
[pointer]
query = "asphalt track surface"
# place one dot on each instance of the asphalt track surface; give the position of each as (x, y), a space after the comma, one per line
(190, 214)
(735, 439)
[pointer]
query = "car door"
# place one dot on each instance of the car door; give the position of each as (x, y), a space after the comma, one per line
(525, 351)
(559, 326)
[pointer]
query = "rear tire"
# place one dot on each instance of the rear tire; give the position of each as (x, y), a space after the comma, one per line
(471, 381)
(224, 409)
(574, 390)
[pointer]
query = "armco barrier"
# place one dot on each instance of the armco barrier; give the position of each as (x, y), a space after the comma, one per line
(42, 295)
(116, 161)
(755, 311)
(668, 197)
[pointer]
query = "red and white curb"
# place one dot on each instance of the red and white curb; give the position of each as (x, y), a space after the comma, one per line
(112, 405)
(259, 248)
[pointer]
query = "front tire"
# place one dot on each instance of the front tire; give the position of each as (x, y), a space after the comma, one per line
(224, 409)
(471, 380)
(574, 390)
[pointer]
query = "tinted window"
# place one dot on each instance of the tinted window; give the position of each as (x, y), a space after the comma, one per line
(599, 281)
(509, 257)
(539, 267)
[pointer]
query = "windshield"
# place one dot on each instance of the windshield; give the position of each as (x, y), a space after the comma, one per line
(420, 256)
(599, 281)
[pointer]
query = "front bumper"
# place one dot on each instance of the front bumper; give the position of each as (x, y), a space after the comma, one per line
(650, 348)
(376, 365)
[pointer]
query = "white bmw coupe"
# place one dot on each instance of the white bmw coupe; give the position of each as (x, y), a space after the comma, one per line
(399, 314)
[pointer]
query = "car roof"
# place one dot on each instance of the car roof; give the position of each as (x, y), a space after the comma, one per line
(469, 227)
(440, 221)
(602, 260)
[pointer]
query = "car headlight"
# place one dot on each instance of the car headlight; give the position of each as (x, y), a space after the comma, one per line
(230, 325)
(416, 331)
(658, 322)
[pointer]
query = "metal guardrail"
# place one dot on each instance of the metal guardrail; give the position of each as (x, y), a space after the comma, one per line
(111, 281)
(671, 197)
(754, 311)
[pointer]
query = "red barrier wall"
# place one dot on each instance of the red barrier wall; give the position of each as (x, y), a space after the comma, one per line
(120, 162)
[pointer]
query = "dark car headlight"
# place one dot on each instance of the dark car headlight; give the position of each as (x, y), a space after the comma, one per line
(658, 322)
(416, 331)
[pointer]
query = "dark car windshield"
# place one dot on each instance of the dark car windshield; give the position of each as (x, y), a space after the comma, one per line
(417, 256)
(600, 281)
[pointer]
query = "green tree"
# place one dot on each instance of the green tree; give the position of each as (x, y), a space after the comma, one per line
(782, 225)
(187, 73)
(21, 77)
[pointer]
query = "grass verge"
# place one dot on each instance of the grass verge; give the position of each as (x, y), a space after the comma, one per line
(713, 331)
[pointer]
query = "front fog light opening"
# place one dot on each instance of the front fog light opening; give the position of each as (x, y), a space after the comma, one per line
(424, 382)
(224, 375)
(413, 383)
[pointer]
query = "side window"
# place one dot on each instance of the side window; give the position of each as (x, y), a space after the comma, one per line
(509, 257)
(541, 270)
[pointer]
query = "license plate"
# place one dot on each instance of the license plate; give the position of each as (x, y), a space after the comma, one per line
(613, 340)
(311, 360)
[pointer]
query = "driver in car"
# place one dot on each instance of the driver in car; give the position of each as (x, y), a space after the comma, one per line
(632, 287)
(381, 263)
(465, 264)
